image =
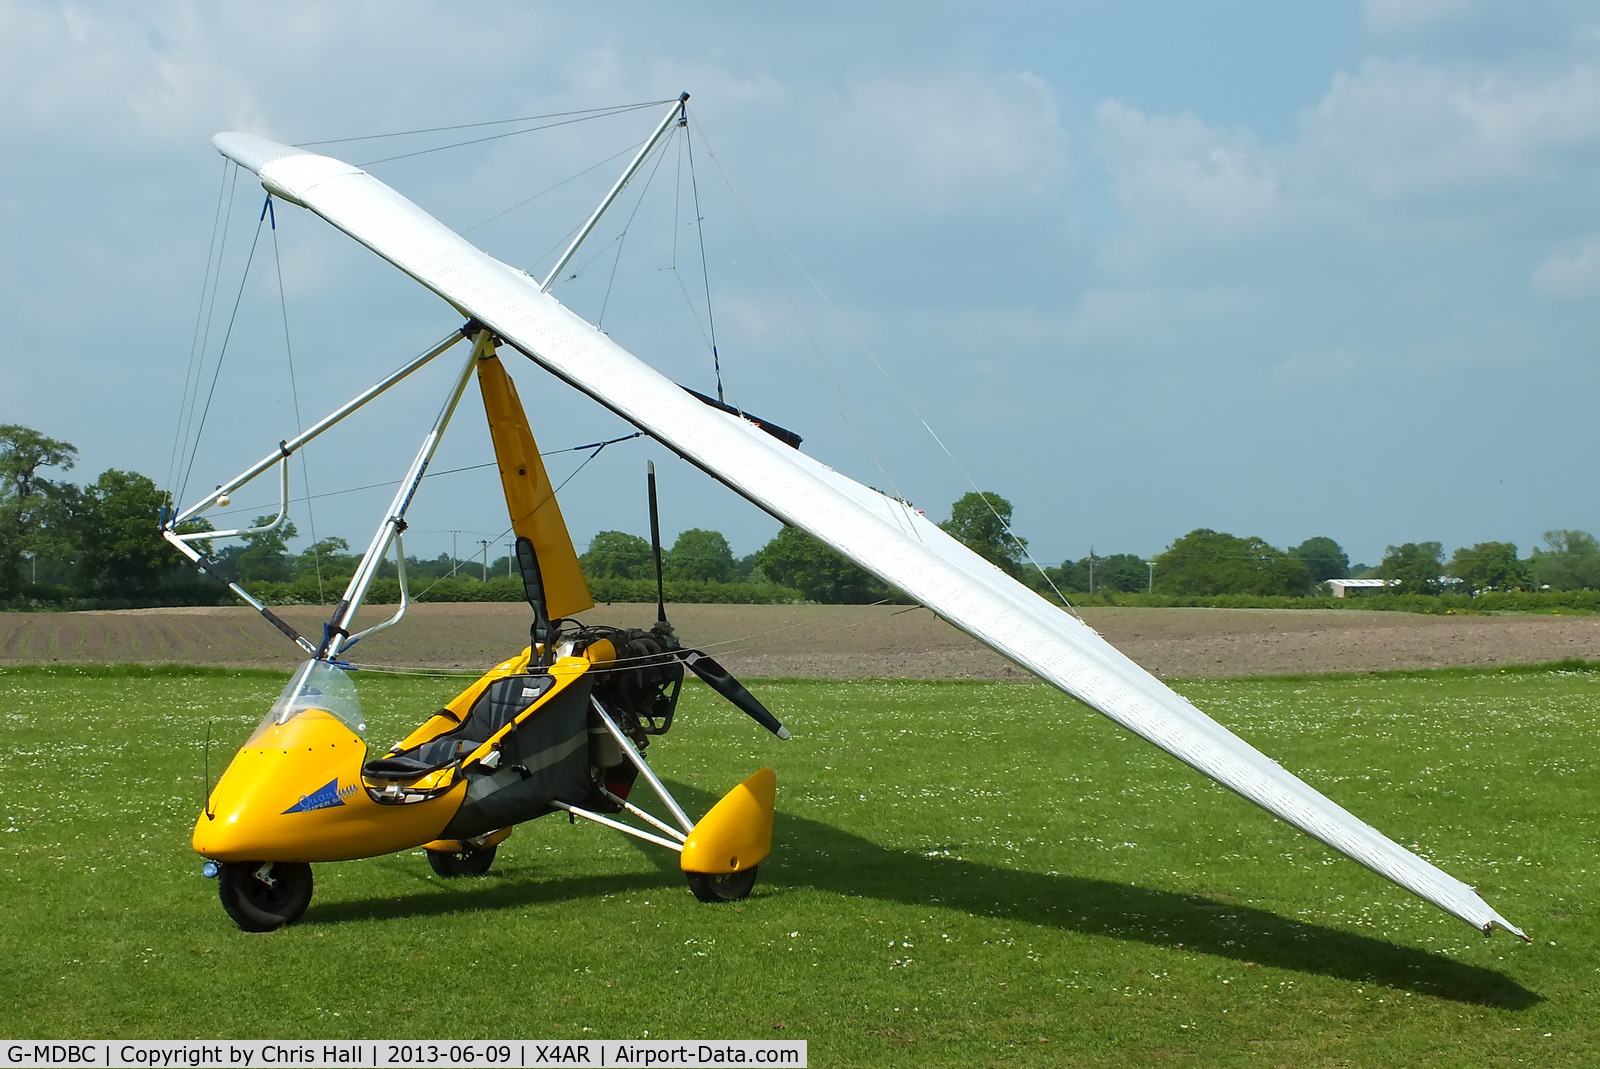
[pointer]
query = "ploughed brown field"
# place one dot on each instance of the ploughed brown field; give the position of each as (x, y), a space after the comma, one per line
(825, 641)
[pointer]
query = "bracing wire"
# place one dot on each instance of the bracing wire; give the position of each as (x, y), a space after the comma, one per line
(1005, 525)
(195, 349)
(294, 392)
(490, 137)
(598, 448)
(845, 409)
(246, 509)
(192, 390)
(223, 352)
(543, 192)
(615, 109)
(660, 155)
(705, 273)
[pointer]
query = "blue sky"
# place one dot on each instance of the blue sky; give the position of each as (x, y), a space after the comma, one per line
(1280, 270)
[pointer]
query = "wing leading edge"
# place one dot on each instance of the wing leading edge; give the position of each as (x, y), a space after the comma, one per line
(886, 537)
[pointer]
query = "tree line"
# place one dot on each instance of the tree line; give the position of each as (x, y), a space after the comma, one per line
(99, 544)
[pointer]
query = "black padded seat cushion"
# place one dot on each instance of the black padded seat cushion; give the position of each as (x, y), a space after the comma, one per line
(500, 703)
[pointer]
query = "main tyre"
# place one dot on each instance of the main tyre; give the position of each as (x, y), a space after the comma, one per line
(452, 863)
(263, 896)
(722, 887)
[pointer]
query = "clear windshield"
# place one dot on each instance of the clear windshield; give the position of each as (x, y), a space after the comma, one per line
(317, 685)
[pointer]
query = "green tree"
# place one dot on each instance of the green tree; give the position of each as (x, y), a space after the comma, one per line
(122, 553)
(34, 511)
(1122, 572)
(1417, 566)
(981, 521)
(795, 559)
(263, 556)
(1569, 561)
(614, 554)
(700, 555)
(1206, 562)
(1324, 559)
(329, 557)
(1490, 566)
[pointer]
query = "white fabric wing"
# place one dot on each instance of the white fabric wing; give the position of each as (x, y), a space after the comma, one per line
(883, 536)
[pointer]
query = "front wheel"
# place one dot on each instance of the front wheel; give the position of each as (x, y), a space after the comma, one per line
(722, 887)
(263, 896)
(449, 863)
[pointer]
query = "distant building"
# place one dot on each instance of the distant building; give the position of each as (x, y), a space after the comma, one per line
(1340, 586)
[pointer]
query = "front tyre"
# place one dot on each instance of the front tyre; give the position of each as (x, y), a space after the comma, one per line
(451, 863)
(263, 896)
(722, 887)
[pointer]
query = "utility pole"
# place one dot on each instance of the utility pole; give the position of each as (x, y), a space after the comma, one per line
(453, 553)
(511, 553)
(1152, 588)
(485, 543)
(1091, 568)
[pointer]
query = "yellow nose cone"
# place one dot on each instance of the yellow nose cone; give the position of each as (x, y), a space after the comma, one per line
(737, 833)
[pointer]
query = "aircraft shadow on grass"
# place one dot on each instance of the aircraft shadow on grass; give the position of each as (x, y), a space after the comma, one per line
(811, 854)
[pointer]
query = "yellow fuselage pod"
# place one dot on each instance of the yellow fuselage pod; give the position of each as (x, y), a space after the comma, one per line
(737, 833)
(530, 498)
(295, 794)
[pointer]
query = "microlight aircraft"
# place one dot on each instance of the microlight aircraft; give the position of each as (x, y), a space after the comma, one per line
(563, 726)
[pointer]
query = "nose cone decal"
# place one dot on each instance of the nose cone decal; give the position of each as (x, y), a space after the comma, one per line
(327, 796)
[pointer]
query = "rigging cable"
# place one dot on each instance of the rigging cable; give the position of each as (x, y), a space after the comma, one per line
(1017, 541)
(660, 154)
(614, 109)
(430, 475)
(598, 448)
(570, 178)
(194, 340)
(223, 352)
(842, 406)
(491, 137)
(705, 274)
(294, 392)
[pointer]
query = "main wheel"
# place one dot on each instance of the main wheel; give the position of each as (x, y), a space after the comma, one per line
(263, 896)
(722, 887)
(450, 863)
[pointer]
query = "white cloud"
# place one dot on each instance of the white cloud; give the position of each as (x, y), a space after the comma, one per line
(1406, 155)
(959, 140)
(1400, 18)
(1178, 175)
(1574, 274)
(1414, 130)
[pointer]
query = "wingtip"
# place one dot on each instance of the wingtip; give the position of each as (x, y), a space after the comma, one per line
(252, 151)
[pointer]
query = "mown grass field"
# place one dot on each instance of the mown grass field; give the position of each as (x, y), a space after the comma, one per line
(964, 874)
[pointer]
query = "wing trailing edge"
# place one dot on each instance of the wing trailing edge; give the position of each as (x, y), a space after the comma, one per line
(884, 536)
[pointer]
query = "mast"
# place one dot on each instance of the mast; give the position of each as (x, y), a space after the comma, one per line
(675, 114)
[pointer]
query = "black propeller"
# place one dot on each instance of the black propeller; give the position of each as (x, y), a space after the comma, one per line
(533, 589)
(655, 544)
(720, 680)
(716, 677)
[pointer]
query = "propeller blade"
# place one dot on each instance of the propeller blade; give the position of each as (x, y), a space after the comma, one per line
(655, 544)
(720, 680)
(533, 589)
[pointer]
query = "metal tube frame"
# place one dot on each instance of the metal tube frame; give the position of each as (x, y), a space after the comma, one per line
(674, 114)
(272, 525)
(645, 770)
(617, 825)
(658, 824)
(338, 627)
(287, 448)
(405, 596)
